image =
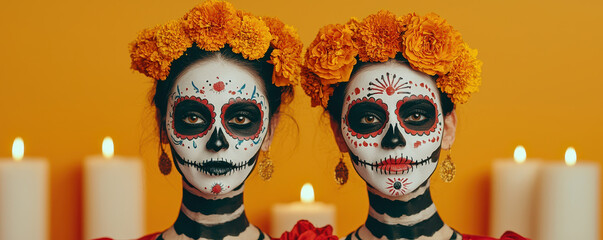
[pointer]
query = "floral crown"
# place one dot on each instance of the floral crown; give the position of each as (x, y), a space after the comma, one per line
(428, 43)
(211, 25)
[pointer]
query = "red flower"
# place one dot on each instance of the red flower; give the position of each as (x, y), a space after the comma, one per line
(304, 230)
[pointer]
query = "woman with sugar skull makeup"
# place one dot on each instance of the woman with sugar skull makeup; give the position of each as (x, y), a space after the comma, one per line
(221, 75)
(390, 85)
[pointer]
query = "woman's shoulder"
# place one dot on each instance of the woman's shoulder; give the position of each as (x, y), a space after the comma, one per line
(506, 236)
(152, 236)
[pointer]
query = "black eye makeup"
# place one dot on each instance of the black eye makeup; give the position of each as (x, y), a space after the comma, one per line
(417, 115)
(192, 117)
(242, 118)
(366, 117)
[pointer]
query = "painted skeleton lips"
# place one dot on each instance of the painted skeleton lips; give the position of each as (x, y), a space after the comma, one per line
(395, 165)
(217, 167)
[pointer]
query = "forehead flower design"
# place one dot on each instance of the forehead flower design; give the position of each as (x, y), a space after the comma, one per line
(428, 43)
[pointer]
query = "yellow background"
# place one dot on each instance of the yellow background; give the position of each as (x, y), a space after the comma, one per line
(66, 83)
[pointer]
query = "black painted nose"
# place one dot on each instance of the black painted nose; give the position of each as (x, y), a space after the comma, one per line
(217, 141)
(393, 138)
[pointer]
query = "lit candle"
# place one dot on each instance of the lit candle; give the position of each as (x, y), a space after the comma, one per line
(569, 200)
(113, 195)
(23, 196)
(284, 216)
(513, 194)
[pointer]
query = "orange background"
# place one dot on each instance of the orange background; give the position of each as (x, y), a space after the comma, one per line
(66, 84)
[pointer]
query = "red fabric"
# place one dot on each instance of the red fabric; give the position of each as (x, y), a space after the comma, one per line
(506, 236)
(304, 230)
(147, 237)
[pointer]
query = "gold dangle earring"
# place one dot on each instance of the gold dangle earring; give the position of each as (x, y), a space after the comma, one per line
(266, 168)
(341, 171)
(165, 164)
(447, 169)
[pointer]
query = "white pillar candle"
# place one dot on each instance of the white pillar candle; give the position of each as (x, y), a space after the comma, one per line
(569, 200)
(23, 196)
(284, 216)
(513, 194)
(113, 196)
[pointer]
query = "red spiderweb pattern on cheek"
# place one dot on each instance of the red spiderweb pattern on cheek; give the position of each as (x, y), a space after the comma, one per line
(204, 102)
(431, 129)
(372, 134)
(237, 100)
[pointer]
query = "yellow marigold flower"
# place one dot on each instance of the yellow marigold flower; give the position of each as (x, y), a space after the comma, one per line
(286, 56)
(331, 55)
(253, 40)
(431, 44)
(211, 24)
(319, 93)
(380, 36)
(145, 56)
(464, 78)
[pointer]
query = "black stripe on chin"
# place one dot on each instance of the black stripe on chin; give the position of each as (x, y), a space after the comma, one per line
(211, 206)
(427, 228)
(194, 230)
(396, 208)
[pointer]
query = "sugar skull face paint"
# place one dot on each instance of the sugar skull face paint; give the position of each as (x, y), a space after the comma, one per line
(392, 123)
(217, 118)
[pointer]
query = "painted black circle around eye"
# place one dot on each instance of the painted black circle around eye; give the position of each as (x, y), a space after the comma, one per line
(366, 117)
(242, 119)
(191, 118)
(417, 114)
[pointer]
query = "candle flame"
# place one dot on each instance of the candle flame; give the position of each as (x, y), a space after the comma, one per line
(108, 147)
(570, 156)
(307, 193)
(520, 154)
(18, 149)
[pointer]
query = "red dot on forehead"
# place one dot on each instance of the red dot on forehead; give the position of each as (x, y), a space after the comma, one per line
(357, 90)
(219, 86)
(390, 90)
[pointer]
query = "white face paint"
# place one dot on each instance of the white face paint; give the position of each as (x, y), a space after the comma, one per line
(392, 122)
(217, 118)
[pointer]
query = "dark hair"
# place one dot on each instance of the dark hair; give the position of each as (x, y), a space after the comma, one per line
(276, 95)
(335, 103)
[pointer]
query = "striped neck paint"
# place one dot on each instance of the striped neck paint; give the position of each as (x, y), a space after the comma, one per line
(411, 216)
(204, 216)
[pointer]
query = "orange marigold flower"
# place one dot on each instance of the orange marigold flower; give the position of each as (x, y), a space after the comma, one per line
(353, 24)
(145, 56)
(464, 78)
(408, 19)
(431, 44)
(331, 55)
(211, 24)
(253, 40)
(286, 56)
(313, 87)
(380, 36)
(172, 42)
